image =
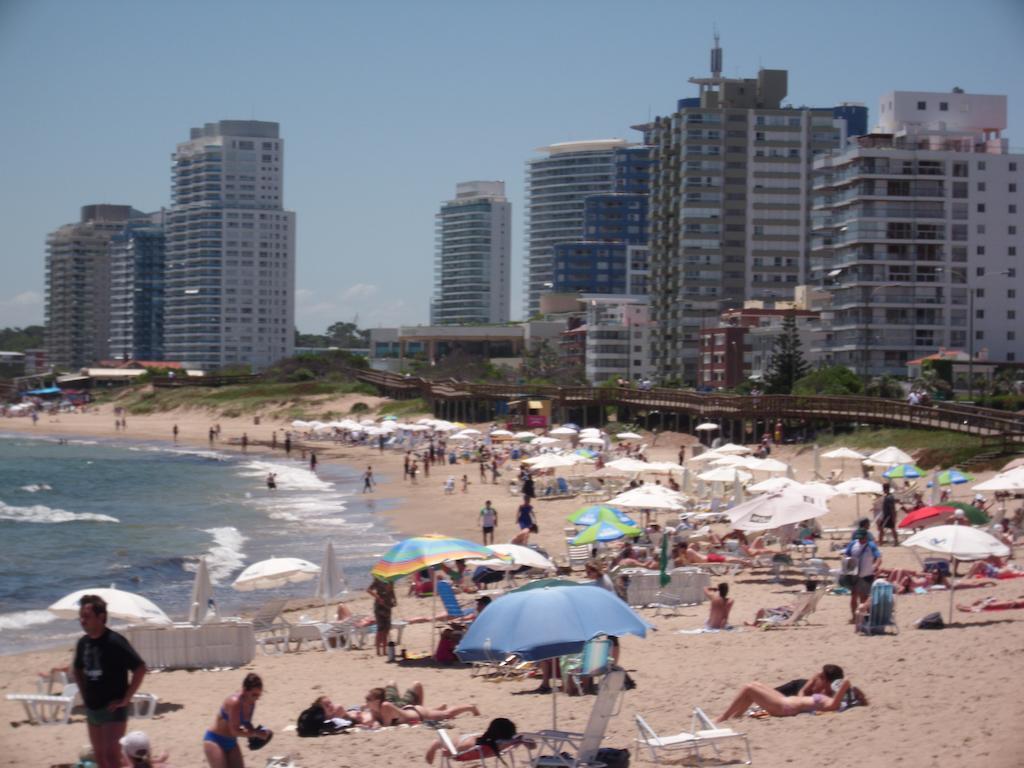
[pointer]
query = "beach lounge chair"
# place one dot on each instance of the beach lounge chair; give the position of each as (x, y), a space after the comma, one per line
(451, 604)
(703, 734)
(359, 634)
(566, 749)
(478, 754)
(270, 628)
(581, 668)
(44, 709)
(579, 556)
(881, 614)
(805, 604)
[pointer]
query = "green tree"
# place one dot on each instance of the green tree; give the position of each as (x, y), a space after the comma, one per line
(347, 335)
(20, 339)
(884, 386)
(831, 380)
(787, 364)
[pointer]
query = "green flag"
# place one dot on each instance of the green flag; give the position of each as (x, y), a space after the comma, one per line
(664, 578)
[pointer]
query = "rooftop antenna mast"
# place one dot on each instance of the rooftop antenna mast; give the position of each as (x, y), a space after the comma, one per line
(716, 58)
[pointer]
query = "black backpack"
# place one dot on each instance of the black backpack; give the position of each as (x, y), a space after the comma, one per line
(311, 721)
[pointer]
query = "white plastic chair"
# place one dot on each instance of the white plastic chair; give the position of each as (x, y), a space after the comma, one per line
(707, 735)
(566, 749)
(270, 629)
(43, 709)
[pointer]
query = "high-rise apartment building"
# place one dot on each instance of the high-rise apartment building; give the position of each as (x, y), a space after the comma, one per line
(729, 205)
(137, 290)
(917, 231)
(472, 264)
(229, 293)
(78, 286)
(556, 187)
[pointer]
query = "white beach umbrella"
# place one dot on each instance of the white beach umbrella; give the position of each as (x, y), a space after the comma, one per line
(275, 572)
(330, 582)
(592, 441)
(300, 424)
(890, 457)
(1004, 481)
(627, 465)
(858, 485)
(367, 422)
(842, 453)
(562, 431)
(771, 485)
(551, 461)
(663, 467)
(524, 435)
(471, 431)
(629, 436)
(202, 594)
(732, 448)
(648, 497)
(461, 436)
(707, 426)
(729, 461)
(127, 606)
(819, 489)
(960, 542)
(544, 440)
(724, 475)
(501, 433)
(517, 557)
(590, 431)
(707, 456)
(764, 465)
(774, 510)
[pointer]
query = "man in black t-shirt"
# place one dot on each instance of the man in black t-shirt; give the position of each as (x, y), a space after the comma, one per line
(103, 659)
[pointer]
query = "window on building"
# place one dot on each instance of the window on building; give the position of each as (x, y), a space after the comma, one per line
(981, 207)
(943, 106)
(1011, 230)
(981, 252)
(1013, 166)
(981, 165)
(1011, 314)
(922, 105)
(1011, 335)
(981, 186)
(1011, 250)
(1011, 293)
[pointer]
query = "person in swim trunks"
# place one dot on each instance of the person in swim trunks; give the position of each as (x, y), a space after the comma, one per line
(220, 743)
(385, 712)
(777, 705)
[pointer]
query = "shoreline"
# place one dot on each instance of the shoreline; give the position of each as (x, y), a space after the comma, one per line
(959, 672)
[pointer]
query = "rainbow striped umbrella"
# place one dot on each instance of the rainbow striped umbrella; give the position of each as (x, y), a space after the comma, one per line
(421, 552)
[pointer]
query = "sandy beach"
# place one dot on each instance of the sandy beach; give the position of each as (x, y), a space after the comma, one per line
(945, 698)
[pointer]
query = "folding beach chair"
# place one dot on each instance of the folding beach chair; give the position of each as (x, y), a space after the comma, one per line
(805, 604)
(703, 733)
(451, 604)
(482, 755)
(270, 628)
(566, 749)
(881, 614)
(593, 661)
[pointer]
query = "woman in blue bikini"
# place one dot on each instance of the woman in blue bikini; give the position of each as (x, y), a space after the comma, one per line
(220, 744)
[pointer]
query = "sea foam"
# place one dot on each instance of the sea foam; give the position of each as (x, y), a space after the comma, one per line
(36, 487)
(225, 556)
(38, 513)
(23, 619)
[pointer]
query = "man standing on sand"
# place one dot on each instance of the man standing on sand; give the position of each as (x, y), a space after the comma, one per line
(718, 610)
(368, 481)
(868, 558)
(103, 659)
(384, 601)
(488, 522)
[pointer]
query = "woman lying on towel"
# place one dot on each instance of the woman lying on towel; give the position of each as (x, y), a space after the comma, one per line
(991, 604)
(385, 712)
(995, 568)
(777, 705)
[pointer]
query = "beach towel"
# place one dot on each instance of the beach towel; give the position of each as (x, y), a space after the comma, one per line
(708, 630)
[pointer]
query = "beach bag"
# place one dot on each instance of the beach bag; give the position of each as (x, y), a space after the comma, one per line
(848, 567)
(931, 621)
(311, 721)
(613, 758)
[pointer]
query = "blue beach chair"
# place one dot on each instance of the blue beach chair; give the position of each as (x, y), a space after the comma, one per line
(883, 609)
(451, 605)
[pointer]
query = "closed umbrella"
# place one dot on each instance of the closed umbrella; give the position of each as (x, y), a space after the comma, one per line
(685, 482)
(737, 490)
(774, 510)
(274, 573)
(127, 606)
(959, 542)
(331, 582)
(202, 594)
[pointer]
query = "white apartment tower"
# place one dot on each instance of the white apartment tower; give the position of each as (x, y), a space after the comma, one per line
(918, 235)
(472, 263)
(230, 249)
(557, 186)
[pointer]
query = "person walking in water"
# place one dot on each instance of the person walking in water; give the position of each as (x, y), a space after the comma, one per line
(312, 460)
(368, 481)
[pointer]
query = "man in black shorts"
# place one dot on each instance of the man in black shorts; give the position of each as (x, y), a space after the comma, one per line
(888, 516)
(103, 659)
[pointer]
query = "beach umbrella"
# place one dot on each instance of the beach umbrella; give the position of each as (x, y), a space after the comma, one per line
(629, 436)
(903, 471)
(538, 624)
(771, 485)
(764, 465)
(858, 485)
(707, 456)
(926, 516)
(730, 461)
(501, 433)
(774, 510)
(732, 448)
(419, 552)
(707, 426)
(648, 497)
(550, 461)
(953, 477)
(974, 515)
(589, 431)
(275, 572)
(524, 435)
(604, 530)
(627, 465)
(1013, 464)
(1004, 481)
(959, 542)
(331, 580)
(662, 467)
(563, 431)
(513, 556)
(592, 441)
(127, 606)
(202, 594)
(843, 453)
(889, 457)
(595, 512)
(552, 582)
(544, 440)
(724, 475)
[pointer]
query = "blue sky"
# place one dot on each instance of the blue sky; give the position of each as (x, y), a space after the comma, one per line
(384, 106)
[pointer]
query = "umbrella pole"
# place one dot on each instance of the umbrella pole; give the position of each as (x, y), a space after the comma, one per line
(433, 611)
(952, 589)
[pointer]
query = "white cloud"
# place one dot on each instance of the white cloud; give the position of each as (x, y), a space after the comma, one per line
(25, 308)
(360, 291)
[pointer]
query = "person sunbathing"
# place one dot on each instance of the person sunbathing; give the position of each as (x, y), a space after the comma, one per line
(991, 604)
(386, 713)
(629, 557)
(777, 705)
(685, 555)
(500, 729)
(905, 580)
(719, 607)
(995, 568)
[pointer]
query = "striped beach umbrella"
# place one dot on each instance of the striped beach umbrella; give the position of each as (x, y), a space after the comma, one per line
(597, 512)
(903, 471)
(953, 477)
(605, 530)
(420, 552)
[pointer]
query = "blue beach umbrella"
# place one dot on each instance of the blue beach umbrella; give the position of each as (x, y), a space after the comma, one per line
(604, 530)
(953, 477)
(595, 512)
(903, 471)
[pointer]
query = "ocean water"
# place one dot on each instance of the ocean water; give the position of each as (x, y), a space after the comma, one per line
(138, 515)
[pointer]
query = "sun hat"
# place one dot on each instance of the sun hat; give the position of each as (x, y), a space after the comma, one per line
(135, 744)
